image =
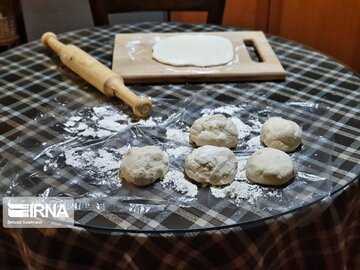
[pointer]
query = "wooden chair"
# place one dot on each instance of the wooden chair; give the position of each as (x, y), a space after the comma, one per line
(101, 8)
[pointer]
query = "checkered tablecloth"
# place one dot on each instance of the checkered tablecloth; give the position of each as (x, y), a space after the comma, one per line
(322, 235)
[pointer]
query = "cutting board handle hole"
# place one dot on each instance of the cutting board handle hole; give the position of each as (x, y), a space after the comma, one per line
(252, 51)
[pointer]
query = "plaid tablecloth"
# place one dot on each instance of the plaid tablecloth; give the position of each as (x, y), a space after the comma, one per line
(322, 235)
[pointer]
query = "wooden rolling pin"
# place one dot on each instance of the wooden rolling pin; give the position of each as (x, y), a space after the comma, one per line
(97, 74)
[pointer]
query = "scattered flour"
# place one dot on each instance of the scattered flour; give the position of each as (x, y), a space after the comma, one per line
(101, 163)
(96, 133)
(177, 135)
(179, 151)
(229, 110)
(103, 121)
(239, 191)
(70, 123)
(75, 118)
(243, 129)
(254, 143)
(82, 126)
(102, 111)
(151, 122)
(255, 125)
(176, 180)
(111, 125)
(106, 160)
(240, 174)
(122, 150)
(49, 165)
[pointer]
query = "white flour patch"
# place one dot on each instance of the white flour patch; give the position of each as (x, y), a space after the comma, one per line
(229, 110)
(49, 165)
(243, 129)
(177, 135)
(240, 174)
(95, 133)
(101, 163)
(70, 123)
(122, 151)
(103, 121)
(176, 181)
(111, 125)
(254, 143)
(255, 124)
(75, 118)
(179, 151)
(151, 122)
(239, 191)
(102, 111)
(82, 126)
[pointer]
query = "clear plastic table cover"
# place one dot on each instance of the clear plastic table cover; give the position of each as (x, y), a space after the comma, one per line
(82, 160)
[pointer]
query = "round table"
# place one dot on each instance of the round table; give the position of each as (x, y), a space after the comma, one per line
(322, 235)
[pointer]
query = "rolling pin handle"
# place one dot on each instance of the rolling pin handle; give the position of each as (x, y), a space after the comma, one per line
(45, 38)
(49, 40)
(114, 86)
(143, 107)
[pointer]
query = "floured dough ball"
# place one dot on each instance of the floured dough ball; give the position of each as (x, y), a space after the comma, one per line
(214, 130)
(142, 166)
(269, 166)
(211, 165)
(281, 134)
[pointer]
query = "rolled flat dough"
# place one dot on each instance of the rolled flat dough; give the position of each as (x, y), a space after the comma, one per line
(193, 50)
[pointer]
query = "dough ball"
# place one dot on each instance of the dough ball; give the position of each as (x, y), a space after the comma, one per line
(269, 166)
(214, 130)
(281, 134)
(142, 166)
(211, 165)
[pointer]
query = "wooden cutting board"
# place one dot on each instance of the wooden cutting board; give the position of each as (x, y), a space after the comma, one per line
(132, 58)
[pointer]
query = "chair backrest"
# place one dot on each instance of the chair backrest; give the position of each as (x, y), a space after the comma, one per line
(101, 8)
